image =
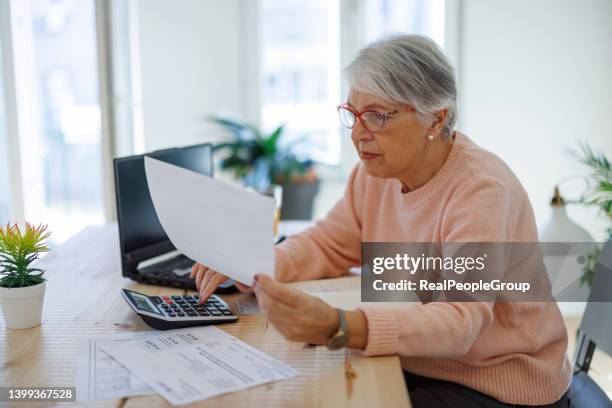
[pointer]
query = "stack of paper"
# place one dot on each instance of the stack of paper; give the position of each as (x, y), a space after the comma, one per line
(100, 377)
(183, 365)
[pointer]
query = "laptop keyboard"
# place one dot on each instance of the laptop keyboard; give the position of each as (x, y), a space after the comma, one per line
(181, 266)
(175, 270)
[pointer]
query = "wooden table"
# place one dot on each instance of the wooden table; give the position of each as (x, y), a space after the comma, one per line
(83, 300)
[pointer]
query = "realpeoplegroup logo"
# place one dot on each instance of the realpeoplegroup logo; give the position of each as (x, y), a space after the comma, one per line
(474, 271)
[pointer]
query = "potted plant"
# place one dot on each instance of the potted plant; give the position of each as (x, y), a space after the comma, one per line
(599, 195)
(22, 286)
(260, 160)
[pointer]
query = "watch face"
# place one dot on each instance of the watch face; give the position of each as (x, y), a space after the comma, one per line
(338, 342)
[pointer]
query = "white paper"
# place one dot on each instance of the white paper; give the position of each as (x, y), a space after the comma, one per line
(189, 365)
(100, 377)
(329, 285)
(248, 306)
(226, 228)
(343, 293)
(351, 299)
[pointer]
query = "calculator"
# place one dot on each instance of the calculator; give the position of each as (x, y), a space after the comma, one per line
(173, 312)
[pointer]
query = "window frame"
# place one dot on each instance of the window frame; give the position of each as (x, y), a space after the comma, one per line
(13, 127)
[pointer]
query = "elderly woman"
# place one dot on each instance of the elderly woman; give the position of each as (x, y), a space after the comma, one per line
(419, 180)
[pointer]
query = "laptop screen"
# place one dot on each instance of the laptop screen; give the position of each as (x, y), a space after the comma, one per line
(141, 235)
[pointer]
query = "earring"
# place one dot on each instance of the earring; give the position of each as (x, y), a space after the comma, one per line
(430, 137)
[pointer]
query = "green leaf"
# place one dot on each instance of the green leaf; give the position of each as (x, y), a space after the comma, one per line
(269, 143)
(600, 191)
(16, 282)
(233, 161)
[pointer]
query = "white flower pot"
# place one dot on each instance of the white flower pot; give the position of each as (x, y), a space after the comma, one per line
(22, 307)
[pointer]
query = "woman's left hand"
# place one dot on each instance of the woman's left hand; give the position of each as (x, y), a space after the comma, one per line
(296, 315)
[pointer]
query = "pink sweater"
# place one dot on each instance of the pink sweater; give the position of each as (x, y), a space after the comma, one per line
(514, 352)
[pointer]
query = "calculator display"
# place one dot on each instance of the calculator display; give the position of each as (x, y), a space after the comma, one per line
(142, 303)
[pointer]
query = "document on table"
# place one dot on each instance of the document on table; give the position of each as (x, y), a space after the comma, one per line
(248, 306)
(320, 287)
(100, 376)
(340, 284)
(226, 228)
(343, 293)
(351, 299)
(192, 364)
(342, 299)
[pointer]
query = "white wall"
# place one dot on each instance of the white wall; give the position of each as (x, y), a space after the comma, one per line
(536, 77)
(191, 65)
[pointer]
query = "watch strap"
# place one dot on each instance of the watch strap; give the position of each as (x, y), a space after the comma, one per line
(342, 327)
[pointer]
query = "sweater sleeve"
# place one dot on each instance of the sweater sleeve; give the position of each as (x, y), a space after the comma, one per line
(330, 247)
(480, 212)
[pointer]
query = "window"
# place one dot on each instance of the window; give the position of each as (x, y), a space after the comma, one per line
(425, 17)
(57, 87)
(300, 66)
(300, 60)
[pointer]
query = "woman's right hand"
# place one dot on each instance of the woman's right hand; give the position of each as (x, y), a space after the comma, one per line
(208, 280)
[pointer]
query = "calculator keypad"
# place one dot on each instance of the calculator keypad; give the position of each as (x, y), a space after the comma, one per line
(181, 306)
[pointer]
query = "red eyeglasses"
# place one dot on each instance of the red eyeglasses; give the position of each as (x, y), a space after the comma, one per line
(370, 119)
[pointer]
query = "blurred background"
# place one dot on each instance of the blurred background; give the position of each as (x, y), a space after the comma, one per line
(84, 81)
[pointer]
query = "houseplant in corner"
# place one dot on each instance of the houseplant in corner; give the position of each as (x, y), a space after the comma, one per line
(599, 195)
(22, 286)
(261, 161)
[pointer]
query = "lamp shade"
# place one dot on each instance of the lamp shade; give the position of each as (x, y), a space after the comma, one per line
(565, 268)
(559, 227)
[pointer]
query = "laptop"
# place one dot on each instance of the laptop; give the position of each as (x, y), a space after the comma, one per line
(147, 255)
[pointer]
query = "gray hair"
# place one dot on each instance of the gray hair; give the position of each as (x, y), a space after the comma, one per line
(407, 69)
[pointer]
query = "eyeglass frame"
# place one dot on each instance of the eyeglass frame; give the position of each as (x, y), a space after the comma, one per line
(358, 115)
